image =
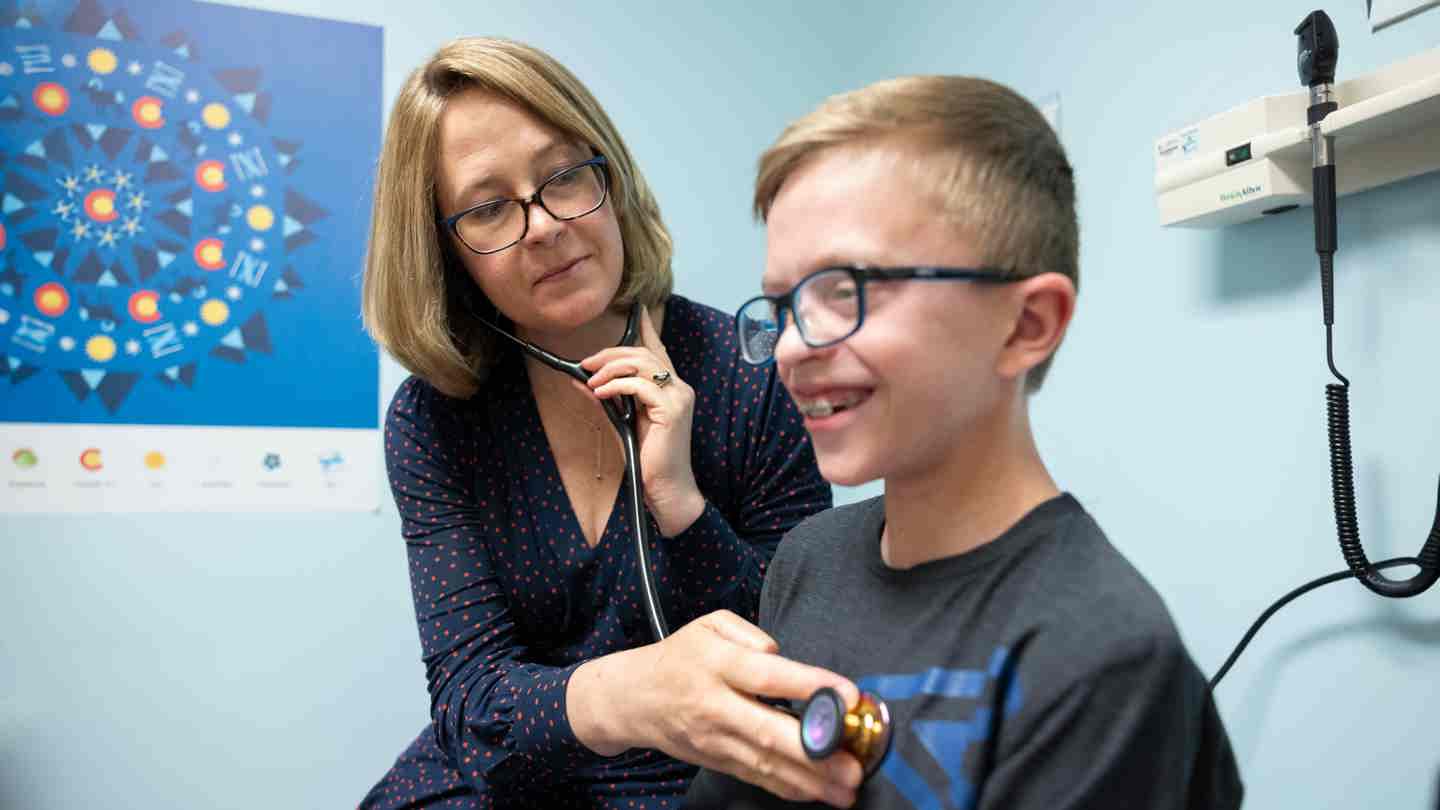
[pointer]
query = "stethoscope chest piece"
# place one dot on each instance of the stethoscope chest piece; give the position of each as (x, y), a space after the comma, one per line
(825, 727)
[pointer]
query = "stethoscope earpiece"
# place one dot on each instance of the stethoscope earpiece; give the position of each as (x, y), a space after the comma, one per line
(826, 727)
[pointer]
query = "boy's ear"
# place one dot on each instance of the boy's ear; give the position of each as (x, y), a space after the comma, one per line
(1044, 306)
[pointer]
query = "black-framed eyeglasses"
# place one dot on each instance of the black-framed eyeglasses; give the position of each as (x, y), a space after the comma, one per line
(829, 304)
(570, 193)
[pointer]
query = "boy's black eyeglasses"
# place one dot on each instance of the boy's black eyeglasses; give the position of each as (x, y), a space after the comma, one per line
(829, 304)
(571, 193)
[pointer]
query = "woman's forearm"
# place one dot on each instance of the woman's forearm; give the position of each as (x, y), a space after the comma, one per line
(603, 702)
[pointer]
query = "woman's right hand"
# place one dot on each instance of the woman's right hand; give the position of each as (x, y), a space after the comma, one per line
(693, 696)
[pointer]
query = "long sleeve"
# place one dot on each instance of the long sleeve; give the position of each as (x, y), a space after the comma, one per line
(500, 717)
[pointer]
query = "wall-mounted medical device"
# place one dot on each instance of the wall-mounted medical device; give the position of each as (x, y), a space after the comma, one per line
(1317, 55)
(1255, 159)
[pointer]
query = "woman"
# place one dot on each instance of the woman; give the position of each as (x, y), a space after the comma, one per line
(505, 195)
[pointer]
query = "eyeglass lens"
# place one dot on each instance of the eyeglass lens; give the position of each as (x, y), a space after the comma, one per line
(826, 307)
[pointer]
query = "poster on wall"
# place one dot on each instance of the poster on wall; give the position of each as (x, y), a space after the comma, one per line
(184, 202)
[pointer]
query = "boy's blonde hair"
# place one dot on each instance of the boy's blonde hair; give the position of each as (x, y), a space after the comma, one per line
(989, 156)
(418, 302)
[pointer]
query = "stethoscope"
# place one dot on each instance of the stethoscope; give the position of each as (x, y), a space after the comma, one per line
(825, 724)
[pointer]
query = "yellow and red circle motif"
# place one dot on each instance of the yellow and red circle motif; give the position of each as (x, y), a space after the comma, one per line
(90, 459)
(260, 217)
(210, 174)
(155, 460)
(51, 98)
(215, 115)
(52, 299)
(148, 112)
(145, 306)
(214, 312)
(210, 254)
(100, 205)
(102, 61)
(101, 348)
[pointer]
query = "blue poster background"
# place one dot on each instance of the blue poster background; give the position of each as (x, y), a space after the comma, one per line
(184, 204)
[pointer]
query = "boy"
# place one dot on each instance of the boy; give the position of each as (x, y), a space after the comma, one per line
(921, 269)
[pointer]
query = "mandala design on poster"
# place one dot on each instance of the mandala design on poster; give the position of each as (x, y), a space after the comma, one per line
(147, 218)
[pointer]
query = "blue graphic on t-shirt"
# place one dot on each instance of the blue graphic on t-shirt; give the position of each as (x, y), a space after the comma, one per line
(947, 741)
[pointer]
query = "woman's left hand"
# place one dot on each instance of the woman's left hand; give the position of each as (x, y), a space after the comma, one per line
(666, 407)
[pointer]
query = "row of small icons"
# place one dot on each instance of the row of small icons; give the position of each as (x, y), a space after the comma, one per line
(92, 459)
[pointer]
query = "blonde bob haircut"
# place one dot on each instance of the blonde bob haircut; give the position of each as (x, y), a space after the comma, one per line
(418, 302)
(994, 166)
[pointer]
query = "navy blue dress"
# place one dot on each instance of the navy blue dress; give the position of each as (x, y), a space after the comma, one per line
(510, 599)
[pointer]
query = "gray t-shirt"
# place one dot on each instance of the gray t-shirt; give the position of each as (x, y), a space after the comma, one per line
(1039, 671)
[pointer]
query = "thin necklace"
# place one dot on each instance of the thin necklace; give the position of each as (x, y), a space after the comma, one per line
(595, 428)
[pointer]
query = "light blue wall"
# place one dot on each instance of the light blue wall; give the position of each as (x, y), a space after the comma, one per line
(234, 661)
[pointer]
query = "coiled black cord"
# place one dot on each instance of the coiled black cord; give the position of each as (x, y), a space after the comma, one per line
(1342, 477)
(1342, 485)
